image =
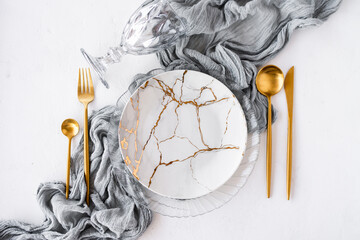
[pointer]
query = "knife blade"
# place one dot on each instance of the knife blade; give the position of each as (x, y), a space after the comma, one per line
(289, 92)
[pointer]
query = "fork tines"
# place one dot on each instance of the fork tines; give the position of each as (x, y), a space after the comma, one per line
(86, 86)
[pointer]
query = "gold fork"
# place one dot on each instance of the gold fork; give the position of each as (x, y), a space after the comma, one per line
(86, 95)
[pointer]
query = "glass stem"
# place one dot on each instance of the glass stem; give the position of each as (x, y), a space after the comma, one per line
(100, 64)
(114, 55)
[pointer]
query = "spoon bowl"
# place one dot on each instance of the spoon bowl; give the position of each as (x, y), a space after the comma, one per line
(70, 128)
(269, 82)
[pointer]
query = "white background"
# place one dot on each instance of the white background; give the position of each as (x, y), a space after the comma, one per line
(39, 59)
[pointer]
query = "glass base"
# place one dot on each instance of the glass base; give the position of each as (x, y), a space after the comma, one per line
(97, 65)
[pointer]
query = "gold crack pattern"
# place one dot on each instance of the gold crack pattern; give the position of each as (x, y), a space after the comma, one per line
(169, 96)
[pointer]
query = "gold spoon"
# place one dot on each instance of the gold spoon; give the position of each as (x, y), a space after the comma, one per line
(269, 82)
(69, 128)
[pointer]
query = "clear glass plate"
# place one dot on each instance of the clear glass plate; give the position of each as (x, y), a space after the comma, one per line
(197, 206)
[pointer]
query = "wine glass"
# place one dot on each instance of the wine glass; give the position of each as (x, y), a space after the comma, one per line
(151, 28)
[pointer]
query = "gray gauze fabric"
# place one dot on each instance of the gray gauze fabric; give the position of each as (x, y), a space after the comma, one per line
(117, 209)
(228, 40)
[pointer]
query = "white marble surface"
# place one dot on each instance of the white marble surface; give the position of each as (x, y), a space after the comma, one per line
(39, 57)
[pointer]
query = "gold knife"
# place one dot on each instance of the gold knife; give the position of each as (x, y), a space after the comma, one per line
(289, 91)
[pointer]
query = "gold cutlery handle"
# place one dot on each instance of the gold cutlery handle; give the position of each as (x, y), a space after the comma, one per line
(268, 150)
(289, 158)
(86, 155)
(68, 170)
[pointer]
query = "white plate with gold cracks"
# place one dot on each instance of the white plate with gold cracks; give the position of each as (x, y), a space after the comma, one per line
(182, 134)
